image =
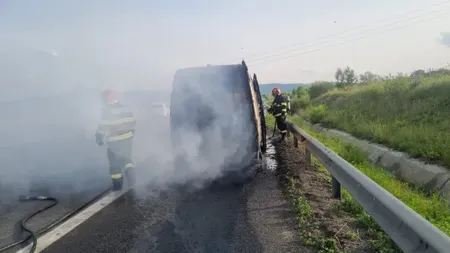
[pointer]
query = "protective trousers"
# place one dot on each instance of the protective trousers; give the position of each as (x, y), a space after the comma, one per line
(281, 124)
(120, 162)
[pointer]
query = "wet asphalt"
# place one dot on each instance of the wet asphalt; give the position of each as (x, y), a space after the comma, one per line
(72, 181)
(254, 217)
(251, 218)
(69, 167)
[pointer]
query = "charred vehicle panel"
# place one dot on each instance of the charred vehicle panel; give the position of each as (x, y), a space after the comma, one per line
(216, 121)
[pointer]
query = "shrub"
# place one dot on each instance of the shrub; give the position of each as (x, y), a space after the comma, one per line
(320, 87)
(317, 113)
(299, 103)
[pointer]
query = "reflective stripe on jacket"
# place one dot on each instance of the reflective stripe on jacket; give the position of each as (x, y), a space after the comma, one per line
(280, 105)
(117, 123)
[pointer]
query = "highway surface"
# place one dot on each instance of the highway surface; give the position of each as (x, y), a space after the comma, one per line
(50, 168)
(251, 218)
(156, 216)
(62, 160)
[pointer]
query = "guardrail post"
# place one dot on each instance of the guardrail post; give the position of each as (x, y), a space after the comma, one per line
(336, 188)
(308, 156)
(295, 142)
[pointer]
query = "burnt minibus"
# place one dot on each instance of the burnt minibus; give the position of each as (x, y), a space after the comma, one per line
(217, 123)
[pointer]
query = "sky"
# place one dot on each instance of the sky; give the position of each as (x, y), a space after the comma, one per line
(56, 46)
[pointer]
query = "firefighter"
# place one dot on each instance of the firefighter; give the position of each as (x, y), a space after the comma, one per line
(279, 109)
(116, 129)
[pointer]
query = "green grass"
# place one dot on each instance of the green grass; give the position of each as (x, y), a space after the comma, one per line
(270, 123)
(433, 208)
(379, 241)
(404, 114)
(304, 215)
(308, 226)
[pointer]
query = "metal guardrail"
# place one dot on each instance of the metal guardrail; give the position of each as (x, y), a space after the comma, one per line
(410, 231)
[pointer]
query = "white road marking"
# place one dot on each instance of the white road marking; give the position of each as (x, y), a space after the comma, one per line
(57, 233)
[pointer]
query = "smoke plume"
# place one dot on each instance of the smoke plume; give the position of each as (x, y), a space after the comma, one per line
(56, 58)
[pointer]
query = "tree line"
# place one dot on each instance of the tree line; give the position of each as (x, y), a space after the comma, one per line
(345, 79)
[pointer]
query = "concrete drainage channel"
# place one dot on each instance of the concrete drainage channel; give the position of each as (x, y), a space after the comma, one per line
(431, 177)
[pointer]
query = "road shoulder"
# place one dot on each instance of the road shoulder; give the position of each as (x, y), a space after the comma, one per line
(271, 216)
(329, 225)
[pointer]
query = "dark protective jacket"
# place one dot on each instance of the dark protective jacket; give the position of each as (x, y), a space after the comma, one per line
(280, 105)
(117, 124)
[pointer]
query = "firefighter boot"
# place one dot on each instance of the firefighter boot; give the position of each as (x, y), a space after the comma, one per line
(130, 173)
(283, 137)
(117, 183)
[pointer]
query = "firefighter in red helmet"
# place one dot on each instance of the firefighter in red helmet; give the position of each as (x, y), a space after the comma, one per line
(279, 109)
(116, 129)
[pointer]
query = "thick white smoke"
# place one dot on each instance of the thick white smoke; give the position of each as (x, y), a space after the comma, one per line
(57, 57)
(48, 143)
(47, 146)
(212, 132)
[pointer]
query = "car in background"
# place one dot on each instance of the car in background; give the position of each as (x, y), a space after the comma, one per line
(160, 109)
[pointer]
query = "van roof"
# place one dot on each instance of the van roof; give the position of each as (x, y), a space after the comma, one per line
(195, 72)
(208, 68)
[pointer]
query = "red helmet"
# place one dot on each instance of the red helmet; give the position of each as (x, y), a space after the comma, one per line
(109, 96)
(276, 91)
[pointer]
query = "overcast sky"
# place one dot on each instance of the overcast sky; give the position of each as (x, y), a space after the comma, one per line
(58, 45)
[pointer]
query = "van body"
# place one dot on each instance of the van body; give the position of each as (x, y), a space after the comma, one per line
(217, 120)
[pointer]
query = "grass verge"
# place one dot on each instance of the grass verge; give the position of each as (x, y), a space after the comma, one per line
(416, 110)
(322, 225)
(431, 208)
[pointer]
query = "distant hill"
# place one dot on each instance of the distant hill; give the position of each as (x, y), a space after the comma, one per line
(266, 88)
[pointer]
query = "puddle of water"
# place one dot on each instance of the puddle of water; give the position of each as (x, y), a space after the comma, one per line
(270, 162)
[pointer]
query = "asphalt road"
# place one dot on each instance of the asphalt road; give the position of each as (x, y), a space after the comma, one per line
(70, 167)
(47, 168)
(250, 218)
